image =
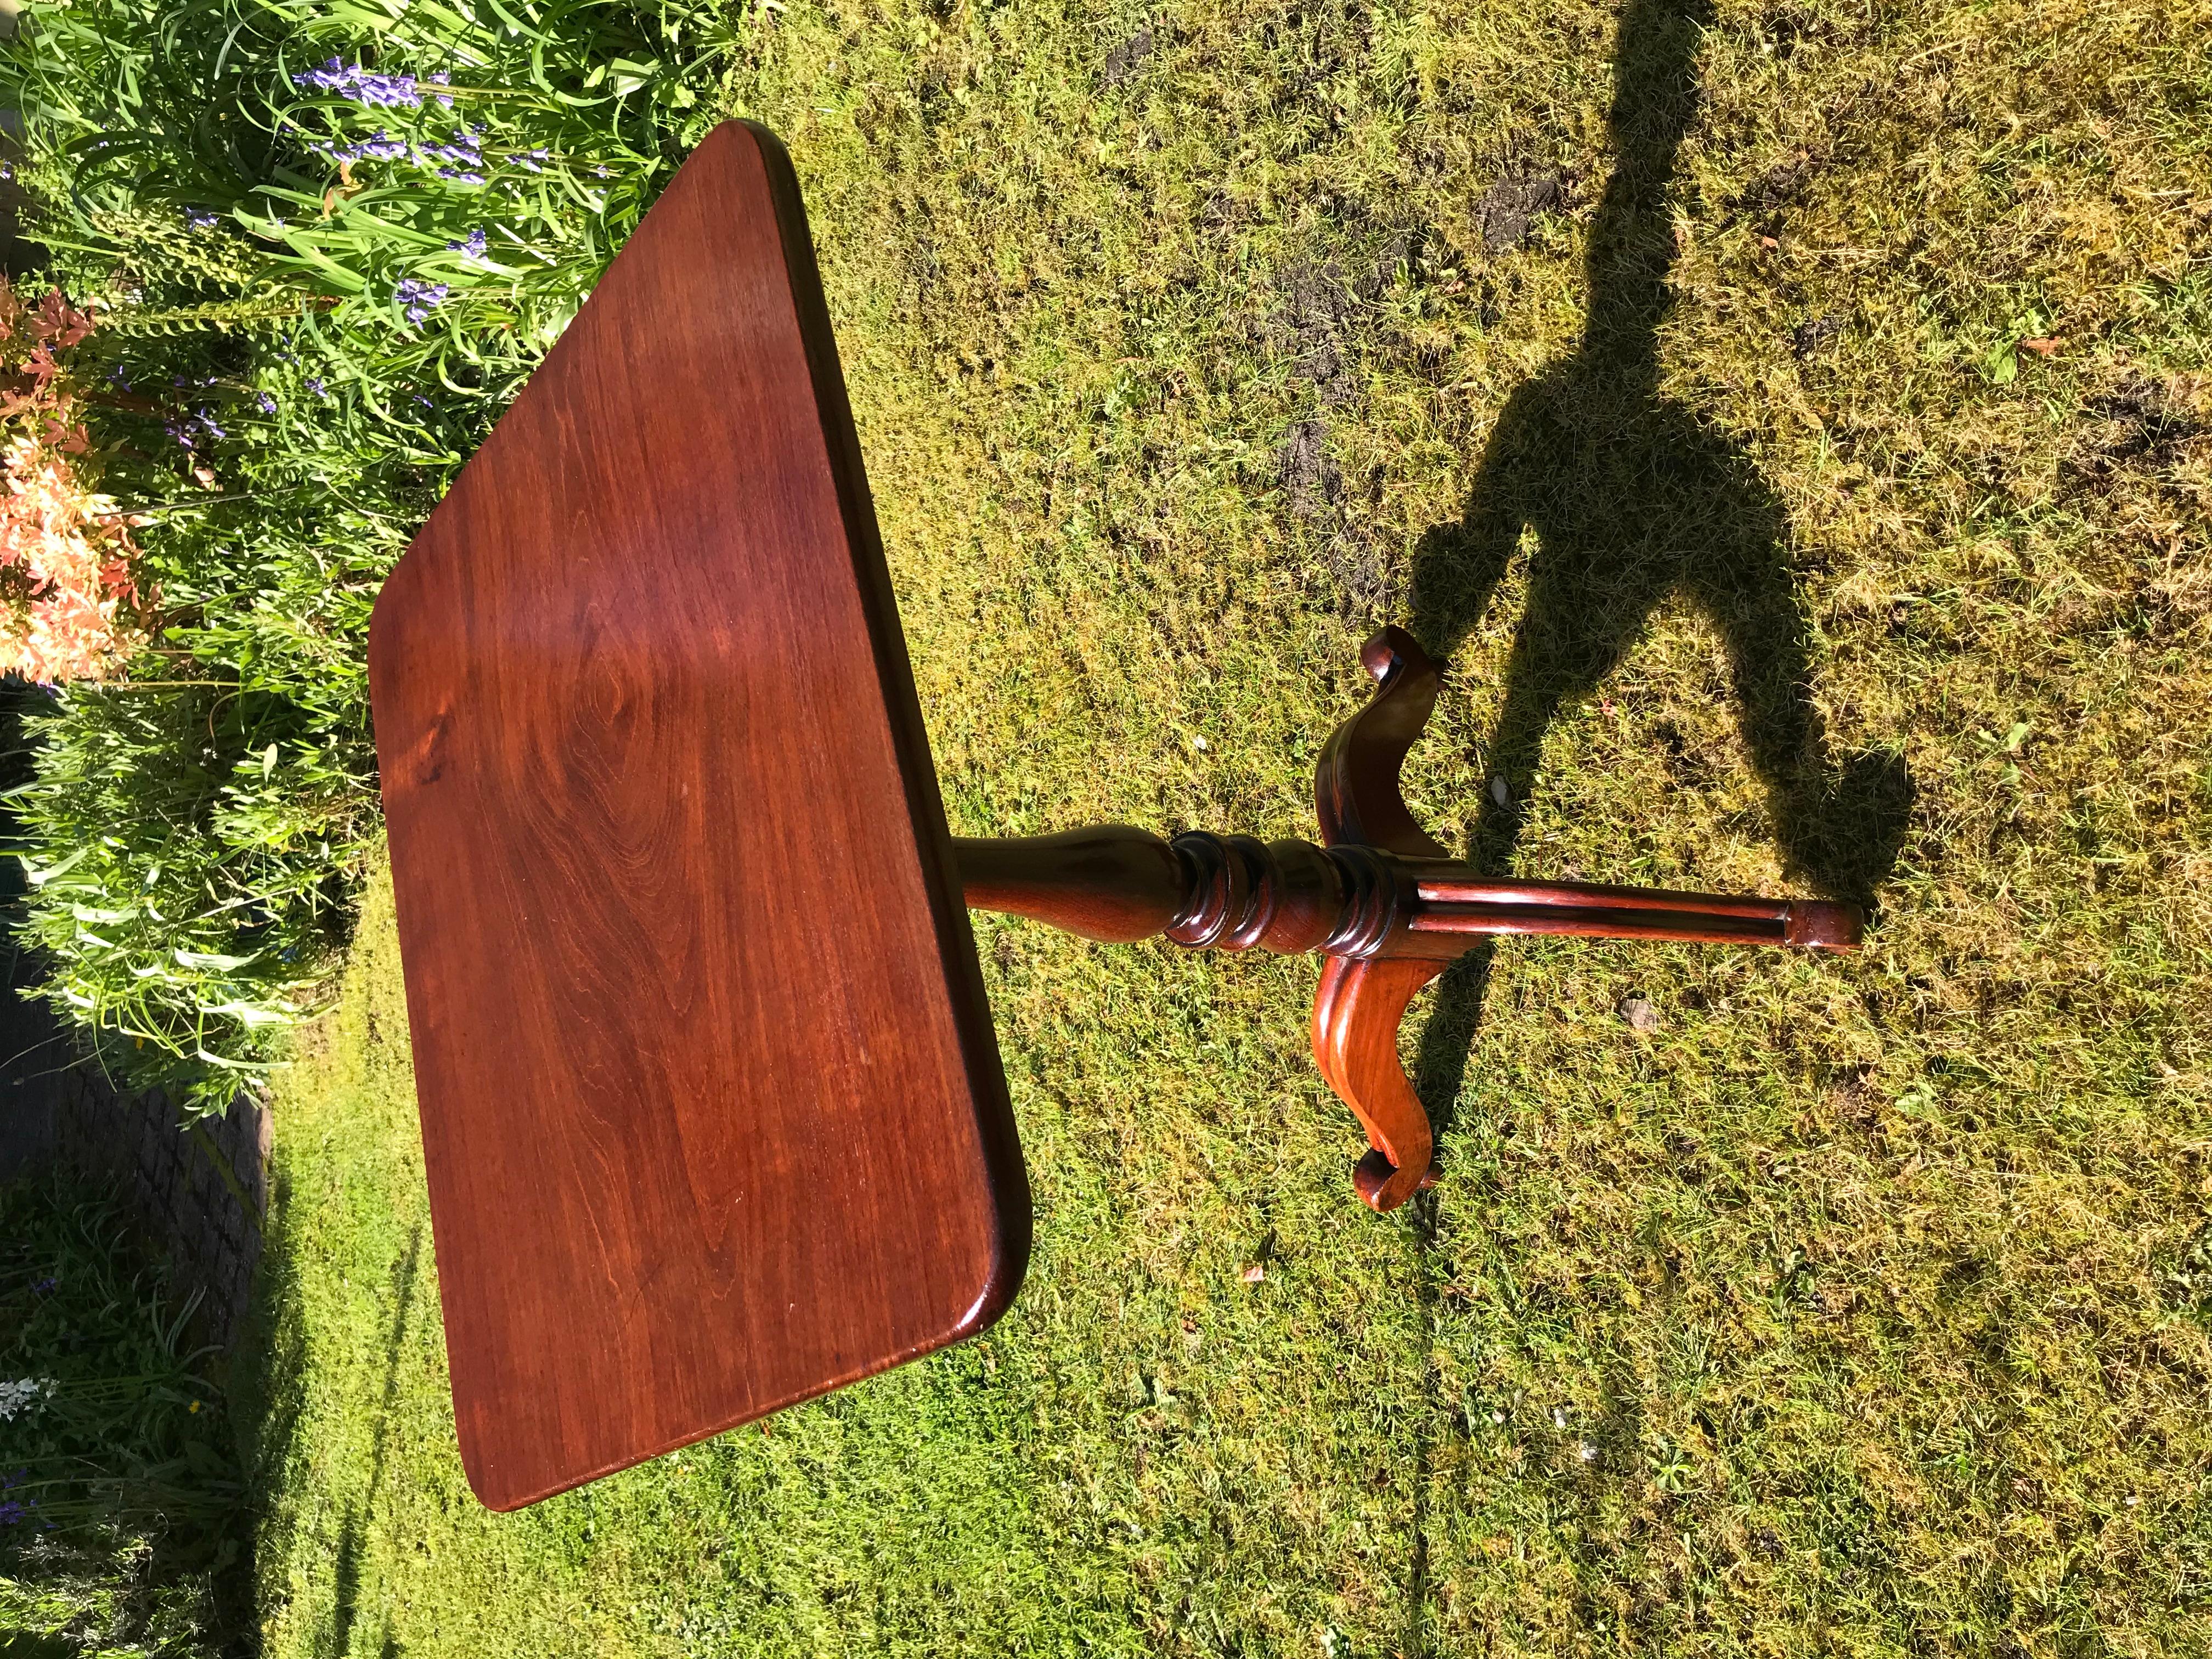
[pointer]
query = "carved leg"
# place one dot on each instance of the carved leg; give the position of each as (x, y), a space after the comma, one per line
(1356, 785)
(1360, 1004)
(1355, 1038)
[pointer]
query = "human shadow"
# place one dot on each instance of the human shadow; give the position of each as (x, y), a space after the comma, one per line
(1633, 498)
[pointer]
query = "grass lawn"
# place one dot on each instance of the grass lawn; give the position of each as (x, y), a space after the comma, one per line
(1795, 425)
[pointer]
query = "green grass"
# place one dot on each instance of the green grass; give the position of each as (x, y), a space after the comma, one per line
(1860, 1308)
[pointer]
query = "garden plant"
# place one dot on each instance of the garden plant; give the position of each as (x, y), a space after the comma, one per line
(120, 1490)
(309, 252)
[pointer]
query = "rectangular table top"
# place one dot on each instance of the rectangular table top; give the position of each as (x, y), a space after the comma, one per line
(712, 1113)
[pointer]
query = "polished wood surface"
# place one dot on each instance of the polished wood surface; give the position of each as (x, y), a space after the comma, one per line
(1114, 883)
(1356, 794)
(712, 1113)
(1383, 900)
(1356, 1008)
(1119, 884)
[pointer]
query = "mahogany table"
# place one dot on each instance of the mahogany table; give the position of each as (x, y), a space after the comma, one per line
(712, 1113)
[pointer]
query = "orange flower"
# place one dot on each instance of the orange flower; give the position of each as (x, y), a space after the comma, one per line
(65, 551)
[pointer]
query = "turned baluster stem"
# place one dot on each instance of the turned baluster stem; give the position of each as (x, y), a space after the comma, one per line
(1112, 883)
(1229, 892)
(1232, 892)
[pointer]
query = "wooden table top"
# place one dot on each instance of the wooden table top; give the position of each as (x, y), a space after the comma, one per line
(712, 1112)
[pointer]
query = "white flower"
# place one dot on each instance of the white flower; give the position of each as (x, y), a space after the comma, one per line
(22, 1395)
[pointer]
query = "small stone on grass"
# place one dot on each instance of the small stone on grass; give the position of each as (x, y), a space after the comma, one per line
(1639, 1014)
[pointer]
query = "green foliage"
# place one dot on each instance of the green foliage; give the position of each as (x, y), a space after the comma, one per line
(121, 1507)
(549, 133)
(208, 837)
(312, 309)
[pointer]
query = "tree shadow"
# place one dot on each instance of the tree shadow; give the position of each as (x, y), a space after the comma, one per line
(1633, 499)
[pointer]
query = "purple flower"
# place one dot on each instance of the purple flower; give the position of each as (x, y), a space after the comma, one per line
(361, 86)
(378, 146)
(442, 79)
(268, 403)
(417, 298)
(471, 249)
(14, 1480)
(189, 429)
(466, 145)
(319, 388)
(200, 219)
(11, 1512)
(38, 1289)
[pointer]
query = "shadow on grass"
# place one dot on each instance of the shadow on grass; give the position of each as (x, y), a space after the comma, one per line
(353, 1534)
(1632, 500)
(270, 1396)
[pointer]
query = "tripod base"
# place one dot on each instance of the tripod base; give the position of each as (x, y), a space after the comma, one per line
(1382, 899)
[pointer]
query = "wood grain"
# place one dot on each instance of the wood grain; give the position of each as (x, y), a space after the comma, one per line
(712, 1113)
